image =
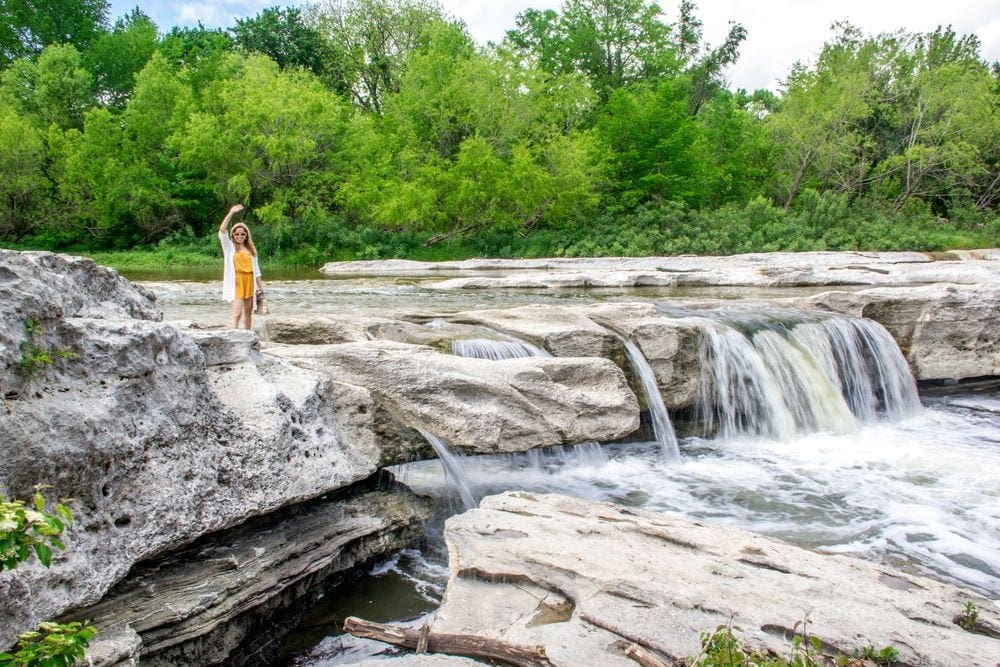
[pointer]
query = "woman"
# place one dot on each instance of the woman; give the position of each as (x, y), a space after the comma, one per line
(241, 273)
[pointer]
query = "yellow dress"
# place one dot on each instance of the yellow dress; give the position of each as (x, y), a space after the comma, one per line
(243, 262)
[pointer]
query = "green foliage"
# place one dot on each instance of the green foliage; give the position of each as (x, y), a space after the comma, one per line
(587, 36)
(52, 645)
(34, 357)
(24, 530)
(117, 56)
(970, 617)
(378, 128)
(370, 42)
(887, 655)
(724, 648)
(29, 26)
(283, 36)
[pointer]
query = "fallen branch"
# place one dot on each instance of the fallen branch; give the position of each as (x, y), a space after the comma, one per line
(470, 646)
(637, 641)
(644, 657)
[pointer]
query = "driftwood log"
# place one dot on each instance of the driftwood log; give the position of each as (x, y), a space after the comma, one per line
(470, 646)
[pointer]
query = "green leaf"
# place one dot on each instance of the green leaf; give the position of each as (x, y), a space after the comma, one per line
(65, 512)
(44, 554)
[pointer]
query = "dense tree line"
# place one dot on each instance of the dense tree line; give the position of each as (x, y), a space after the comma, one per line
(378, 127)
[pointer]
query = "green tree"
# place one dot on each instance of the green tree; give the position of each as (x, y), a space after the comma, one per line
(282, 35)
(116, 57)
(23, 181)
(264, 139)
(657, 147)
(371, 41)
(739, 153)
(472, 141)
(56, 89)
(28, 26)
(822, 112)
(201, 53)
(613, 43)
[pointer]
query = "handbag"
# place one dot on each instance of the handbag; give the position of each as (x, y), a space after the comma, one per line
(261, 303)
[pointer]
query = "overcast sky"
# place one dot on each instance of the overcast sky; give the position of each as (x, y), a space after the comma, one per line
(779, 32)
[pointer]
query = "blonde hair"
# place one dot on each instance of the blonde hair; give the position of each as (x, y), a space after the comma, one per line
(248, 242)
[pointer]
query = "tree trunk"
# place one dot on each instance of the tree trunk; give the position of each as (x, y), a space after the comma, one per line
(471, 646)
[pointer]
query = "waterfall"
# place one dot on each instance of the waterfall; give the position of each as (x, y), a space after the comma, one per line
(864, 361)
(663, 430)
(454, 471)
(495, 350)
(780, 374)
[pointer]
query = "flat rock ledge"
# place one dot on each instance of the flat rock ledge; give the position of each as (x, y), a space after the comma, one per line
(587, 579)
(782, 269)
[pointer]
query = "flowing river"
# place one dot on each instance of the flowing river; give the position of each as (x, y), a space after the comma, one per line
(862, 466)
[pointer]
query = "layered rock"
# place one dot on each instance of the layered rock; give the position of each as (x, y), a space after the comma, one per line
(484, 406)
(587, 579)
(242, 589)
(158, 435)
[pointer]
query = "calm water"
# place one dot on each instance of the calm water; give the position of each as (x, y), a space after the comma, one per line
(922, 492)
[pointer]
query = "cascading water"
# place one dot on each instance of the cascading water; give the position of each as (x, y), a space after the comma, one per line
(663, 429)
(495, 350)
(453, 468)
(782, 374)
(865, 363)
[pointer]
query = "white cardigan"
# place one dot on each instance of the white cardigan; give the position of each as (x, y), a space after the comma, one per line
(229, 269)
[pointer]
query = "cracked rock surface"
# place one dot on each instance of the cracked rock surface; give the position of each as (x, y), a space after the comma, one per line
(586, 579)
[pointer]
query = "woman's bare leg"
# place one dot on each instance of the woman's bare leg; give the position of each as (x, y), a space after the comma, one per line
(237, 311)
(248, 313)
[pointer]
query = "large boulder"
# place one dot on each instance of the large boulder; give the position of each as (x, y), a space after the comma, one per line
(479, 405)
(159, 436)
(588, 579)
(946, 332)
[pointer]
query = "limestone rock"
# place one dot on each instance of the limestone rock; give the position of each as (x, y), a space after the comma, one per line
(484, 406)
(586, 579)
(328, 329)
(565, 332)
(160, 436)
(755, 269)
(197, 605)
(671, 346)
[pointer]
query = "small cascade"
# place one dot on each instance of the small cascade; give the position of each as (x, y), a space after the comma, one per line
(862, 358)
(663, 429)
(454, 470)
(495, 350)
(781, 374)
(585, 454)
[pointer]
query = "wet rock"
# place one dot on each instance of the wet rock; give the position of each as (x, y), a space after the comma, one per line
(586, 579)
